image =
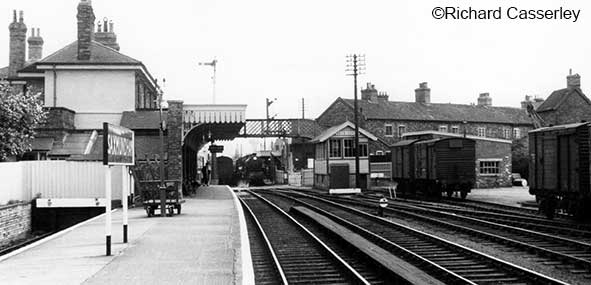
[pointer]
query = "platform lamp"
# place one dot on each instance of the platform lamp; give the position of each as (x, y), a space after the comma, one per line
(356, 66)
(161, 130)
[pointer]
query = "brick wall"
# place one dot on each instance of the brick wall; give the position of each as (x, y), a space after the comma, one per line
(58, 118)
(174, 139)
(492, 150)
(573, 110)
(15, 222)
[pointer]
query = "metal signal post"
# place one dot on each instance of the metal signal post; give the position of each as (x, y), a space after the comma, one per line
(355, 67)
(213, 64)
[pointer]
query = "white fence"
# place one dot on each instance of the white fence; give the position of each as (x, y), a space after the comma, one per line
(26, 180)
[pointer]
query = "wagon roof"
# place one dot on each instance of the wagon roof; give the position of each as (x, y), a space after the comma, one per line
(560, 127)
(404, 142)
(452, 135)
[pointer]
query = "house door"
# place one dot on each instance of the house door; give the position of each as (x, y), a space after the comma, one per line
(339, 176)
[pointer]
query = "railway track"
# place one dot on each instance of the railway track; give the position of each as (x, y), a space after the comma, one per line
(450, 262)
(565, 229)
(555, 250)
(299, 256)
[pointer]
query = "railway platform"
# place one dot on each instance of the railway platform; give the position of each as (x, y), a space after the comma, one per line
(203, 245)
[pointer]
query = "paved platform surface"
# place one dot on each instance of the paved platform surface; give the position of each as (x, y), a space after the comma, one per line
(200, 246)
(512, 196)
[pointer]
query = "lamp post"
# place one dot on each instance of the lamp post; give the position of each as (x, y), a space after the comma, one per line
(356, 66)
(161, 129)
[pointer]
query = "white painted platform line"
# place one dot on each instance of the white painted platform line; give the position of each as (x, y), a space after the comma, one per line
(247, 267)
(51, 237)
(344, 191)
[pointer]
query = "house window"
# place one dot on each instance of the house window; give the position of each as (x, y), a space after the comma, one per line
(401, 130)
(389, 130)
(482, 132)
(443, 129)
(516, 133)
(348, 148)
(363, 150)
(490, 167)
(507, 133)
(335, 148)
(379, 152)
(455, 129)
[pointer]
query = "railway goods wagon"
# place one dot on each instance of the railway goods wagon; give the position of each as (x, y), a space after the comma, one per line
(435, 166)
(559, 169)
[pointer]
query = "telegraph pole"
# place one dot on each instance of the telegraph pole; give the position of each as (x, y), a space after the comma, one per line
(161, 134)
(355, 67)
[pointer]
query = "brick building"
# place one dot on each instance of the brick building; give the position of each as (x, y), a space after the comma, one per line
(82, 85)
(389, 120)
(567, 105)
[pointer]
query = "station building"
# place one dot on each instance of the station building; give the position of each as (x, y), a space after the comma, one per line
(390, 120)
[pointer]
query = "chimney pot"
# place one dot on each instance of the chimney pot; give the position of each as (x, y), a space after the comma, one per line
(14, 16)
(21, 16)
(484, 99)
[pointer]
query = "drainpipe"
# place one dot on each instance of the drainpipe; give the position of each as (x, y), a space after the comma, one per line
(54, 87)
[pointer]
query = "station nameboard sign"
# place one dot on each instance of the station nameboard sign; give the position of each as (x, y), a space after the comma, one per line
(118, 145)
(216, 148)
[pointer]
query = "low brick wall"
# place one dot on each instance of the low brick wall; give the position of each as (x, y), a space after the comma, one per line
(15, 222)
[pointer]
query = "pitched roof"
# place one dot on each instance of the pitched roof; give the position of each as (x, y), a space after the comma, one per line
(440, 112)
(141, 120)
(558, 97)
(328, 133)
(99, 54)
(4, 72)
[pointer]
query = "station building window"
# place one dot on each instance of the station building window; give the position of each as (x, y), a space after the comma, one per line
(455, 129)
(443, 129)
(490, 167)
(516, 133)
(389, 130)
(482, 132)
(401, 130)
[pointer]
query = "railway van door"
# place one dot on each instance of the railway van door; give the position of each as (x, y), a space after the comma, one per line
(339, 176)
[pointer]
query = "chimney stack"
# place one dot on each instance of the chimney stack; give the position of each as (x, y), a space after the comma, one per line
(573, 80)
(423, 93)
(86, 19)
(105, 34)
(484, 99)
(35, 45)
(369, 93)
(525, 102)
(17, 47)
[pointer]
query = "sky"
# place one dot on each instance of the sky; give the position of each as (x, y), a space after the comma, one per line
(291, 50)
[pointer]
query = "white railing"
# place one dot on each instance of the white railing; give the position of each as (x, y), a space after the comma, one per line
(26, 180)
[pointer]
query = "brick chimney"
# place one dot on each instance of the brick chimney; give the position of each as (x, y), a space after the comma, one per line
(369, 93)
(484, 99)
(105, 34)
(17, 48)
(86, 19)
(525, 102)
(573, 80)
(423, 93)
(35, 45)
(382, 97)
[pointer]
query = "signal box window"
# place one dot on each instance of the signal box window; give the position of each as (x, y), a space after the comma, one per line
(335, 148)
(348, 148)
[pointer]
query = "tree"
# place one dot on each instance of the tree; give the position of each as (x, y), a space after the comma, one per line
(520, 157)
(20, 114)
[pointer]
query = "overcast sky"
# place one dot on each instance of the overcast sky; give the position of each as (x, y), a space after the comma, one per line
(293, 49)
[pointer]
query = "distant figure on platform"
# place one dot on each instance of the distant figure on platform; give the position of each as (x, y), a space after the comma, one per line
(205, 171)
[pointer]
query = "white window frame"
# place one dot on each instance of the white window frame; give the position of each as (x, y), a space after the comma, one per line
(379, 152)
(483, 170)
(516, 133)
(401, 130)
(386, 126)
(442, 129)
(506, 133)
(457, 128)
(481, 132)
